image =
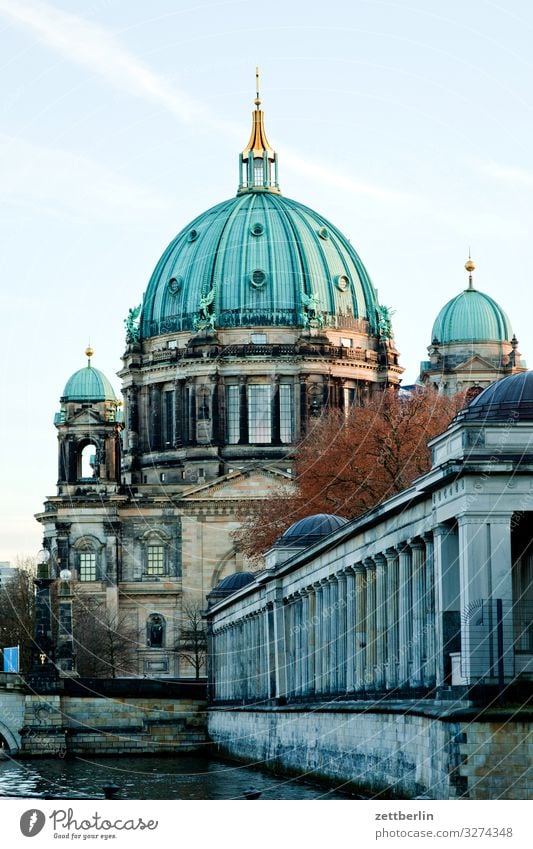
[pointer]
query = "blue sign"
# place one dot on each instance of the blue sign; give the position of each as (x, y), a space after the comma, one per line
(11, 659)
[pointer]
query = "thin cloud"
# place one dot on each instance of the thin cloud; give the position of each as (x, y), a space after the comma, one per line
(42, 179)
(96, 48)
(329, 177)
(507, 173)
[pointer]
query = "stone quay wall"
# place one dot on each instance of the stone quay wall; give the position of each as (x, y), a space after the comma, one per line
(59, 726)
(392, 753)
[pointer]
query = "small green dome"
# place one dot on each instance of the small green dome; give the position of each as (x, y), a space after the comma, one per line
(472, 316)
(88, 384)
(256, 258)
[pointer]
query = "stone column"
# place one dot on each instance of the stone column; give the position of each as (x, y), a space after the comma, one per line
(217, 410)
(333, 634)
(485, 564)
(306, 642)
(392, 618)
(326, 635)
(132, 418)
(178, 412)
(360, 626)
(288, 610)
(404, 614)
(350, 629)
(311, 646)
(418, 611)
(381, 620)
(447, 599)
(303, 405)
(155, 417)
(243, 412)
(342, 637)
(318, 631)
(429, 613)
(371, 645)
(279, 645)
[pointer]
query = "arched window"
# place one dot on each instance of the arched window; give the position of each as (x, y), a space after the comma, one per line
(87, 550)
(155, 631)
(88, 461)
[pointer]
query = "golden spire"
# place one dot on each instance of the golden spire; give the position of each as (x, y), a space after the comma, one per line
(258, 144)
(88, 353)
(470, 267)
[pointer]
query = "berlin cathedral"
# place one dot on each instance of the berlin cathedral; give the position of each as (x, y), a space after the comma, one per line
(259, 315)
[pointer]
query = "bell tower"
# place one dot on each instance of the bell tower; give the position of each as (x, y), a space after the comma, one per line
(88, 424)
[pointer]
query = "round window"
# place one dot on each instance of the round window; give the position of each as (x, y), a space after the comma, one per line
(257, 229)
(258, 278)
(343, 281)
(193, 235)
(323, 233)
(174, 285)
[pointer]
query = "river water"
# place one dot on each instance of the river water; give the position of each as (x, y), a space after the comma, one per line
(184, 777)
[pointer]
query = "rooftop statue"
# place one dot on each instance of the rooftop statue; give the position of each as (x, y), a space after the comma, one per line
(131, 323)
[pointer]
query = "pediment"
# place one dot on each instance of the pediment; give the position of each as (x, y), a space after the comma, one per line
(254, 483)
(476, 363)
(85, 416)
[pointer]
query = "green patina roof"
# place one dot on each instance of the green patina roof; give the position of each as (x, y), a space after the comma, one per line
(262, 254)
(88, 384)
(472, 316)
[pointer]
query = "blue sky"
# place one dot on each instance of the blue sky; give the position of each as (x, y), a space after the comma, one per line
(408, 124)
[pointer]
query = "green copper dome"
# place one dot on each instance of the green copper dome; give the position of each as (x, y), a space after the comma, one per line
(88, 384)
(256, 259)
(472, 316)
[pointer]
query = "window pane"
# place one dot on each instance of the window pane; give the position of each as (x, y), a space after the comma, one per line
(285, 412)
(155, 560)
(87, 567)
(259, 414)
(258, 172)
(232, 414)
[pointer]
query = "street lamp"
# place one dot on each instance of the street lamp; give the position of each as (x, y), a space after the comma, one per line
(65, 640)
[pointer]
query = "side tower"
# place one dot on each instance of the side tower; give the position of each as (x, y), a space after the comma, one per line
(472, 343)
(80, 525)
(88, 425)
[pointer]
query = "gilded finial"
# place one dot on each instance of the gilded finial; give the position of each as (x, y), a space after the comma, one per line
(258, 168)
(88, 353)
(470, 267)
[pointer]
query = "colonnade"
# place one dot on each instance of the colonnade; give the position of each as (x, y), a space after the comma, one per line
(367, 628)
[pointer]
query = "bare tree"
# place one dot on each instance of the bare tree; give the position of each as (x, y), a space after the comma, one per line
(105, 645)
(17, 610)
(191, 645)
(350, 461)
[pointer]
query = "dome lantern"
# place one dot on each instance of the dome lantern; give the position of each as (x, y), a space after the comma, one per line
(258, 163)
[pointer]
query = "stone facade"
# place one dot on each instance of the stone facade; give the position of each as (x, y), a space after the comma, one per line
(395, 752)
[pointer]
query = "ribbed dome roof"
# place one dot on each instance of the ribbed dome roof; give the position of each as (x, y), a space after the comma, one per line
(229, 585)
(262, 254)
(88, 384)
(507, 400)
(472, 316)
(234, 582)
(310, 530)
